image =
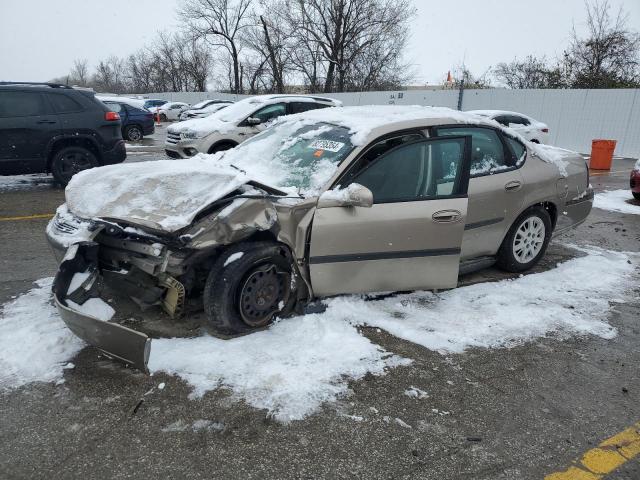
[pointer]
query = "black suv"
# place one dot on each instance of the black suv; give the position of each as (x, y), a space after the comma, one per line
(54, 128)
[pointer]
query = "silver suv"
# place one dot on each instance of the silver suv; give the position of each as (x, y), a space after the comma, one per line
(236, 123)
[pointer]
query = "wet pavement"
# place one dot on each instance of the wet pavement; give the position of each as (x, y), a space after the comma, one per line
(518, 413)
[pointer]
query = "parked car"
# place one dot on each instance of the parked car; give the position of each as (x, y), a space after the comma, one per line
(327, 202)
(134, 102)
(153, 102)
(531, 129)
(235, 124)
(204, 111)
(136, 123)
(634, 181)
(169, 111)
(46, 127)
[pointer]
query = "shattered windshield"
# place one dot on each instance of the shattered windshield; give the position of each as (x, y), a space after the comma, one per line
(292, 157)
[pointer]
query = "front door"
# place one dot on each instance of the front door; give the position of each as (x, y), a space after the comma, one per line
(411, 237)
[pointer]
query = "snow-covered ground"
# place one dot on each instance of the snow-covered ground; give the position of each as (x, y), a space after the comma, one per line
(35, 345)
(300, 363)
(616, 201)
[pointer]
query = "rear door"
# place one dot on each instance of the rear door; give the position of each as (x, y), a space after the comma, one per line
(411, 237)
(495, 189)
(26, 128)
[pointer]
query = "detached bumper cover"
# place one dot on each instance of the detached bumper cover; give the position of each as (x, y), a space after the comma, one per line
(116, 341)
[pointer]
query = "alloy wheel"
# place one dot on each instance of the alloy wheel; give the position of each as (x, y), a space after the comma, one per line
(529, 239)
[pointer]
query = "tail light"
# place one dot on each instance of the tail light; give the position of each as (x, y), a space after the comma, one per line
(545, 130)
(111, 116)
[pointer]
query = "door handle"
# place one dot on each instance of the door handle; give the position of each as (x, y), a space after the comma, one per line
(46, 121)
(446, 216)
(513, 186)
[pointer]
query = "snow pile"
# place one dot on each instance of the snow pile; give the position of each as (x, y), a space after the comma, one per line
(299, 363)
(94, 307)
(35, 345)
(569, 299)
(616, 201)
(162, 194)
(290, 369)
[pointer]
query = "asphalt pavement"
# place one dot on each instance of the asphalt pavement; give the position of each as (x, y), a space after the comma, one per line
(517, 413)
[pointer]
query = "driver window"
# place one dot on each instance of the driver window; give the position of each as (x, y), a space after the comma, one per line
(417, 171)
(270, 112)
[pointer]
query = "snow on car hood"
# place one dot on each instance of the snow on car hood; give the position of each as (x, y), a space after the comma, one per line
(164, 195)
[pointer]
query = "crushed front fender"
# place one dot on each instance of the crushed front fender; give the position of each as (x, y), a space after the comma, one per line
(115, 341)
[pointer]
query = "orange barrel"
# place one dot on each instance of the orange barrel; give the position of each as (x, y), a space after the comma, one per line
(602, 154)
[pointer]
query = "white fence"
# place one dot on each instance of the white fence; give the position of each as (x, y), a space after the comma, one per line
(575, 117)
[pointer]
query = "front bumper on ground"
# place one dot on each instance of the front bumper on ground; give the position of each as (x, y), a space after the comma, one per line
(115, 341)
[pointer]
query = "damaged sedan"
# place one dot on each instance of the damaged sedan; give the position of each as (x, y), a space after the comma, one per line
(326, 202)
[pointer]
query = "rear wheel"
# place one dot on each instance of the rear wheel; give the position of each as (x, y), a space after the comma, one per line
(248, 286)
(133, 133)
(636, 195)
(526, 241)
(71, 160)
(163, 117)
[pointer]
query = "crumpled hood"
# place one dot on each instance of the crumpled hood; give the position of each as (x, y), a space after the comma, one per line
(164, 195)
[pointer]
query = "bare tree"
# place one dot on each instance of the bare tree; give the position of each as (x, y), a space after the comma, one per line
(220, 22)
(344, 29)
(80, 72)
(532, 72)
(609, 56)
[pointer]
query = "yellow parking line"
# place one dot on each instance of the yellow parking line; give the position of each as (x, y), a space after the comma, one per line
(26, 217)
(598, 173)
(605, 458)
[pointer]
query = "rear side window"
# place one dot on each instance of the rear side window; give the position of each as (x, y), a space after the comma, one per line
(63, 103)
(518, 120)
(21, 104)
(517, 148)
(299, 107)
(114, 107)
(487, 151)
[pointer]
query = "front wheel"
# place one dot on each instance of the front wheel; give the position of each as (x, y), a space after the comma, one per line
(71, 160)
(526, 241)
(249, 285)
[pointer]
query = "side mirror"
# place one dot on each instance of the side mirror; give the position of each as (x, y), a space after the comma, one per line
(253, 121)
(355, 195)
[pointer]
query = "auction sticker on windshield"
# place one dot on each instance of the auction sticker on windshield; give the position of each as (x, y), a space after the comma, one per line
(328, 145)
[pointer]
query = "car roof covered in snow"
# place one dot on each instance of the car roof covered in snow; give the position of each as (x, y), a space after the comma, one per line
(367, 121)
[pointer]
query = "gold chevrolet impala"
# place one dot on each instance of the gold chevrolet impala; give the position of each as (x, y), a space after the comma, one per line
(327, 202)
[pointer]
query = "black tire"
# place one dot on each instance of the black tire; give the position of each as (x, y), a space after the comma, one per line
(530, 248)
(221, 147)
(70, 160)
(133, 133)
(636, 195)
(163, 117)
(233, 292)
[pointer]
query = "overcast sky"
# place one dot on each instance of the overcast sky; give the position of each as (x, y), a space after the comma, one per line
(41, 38)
